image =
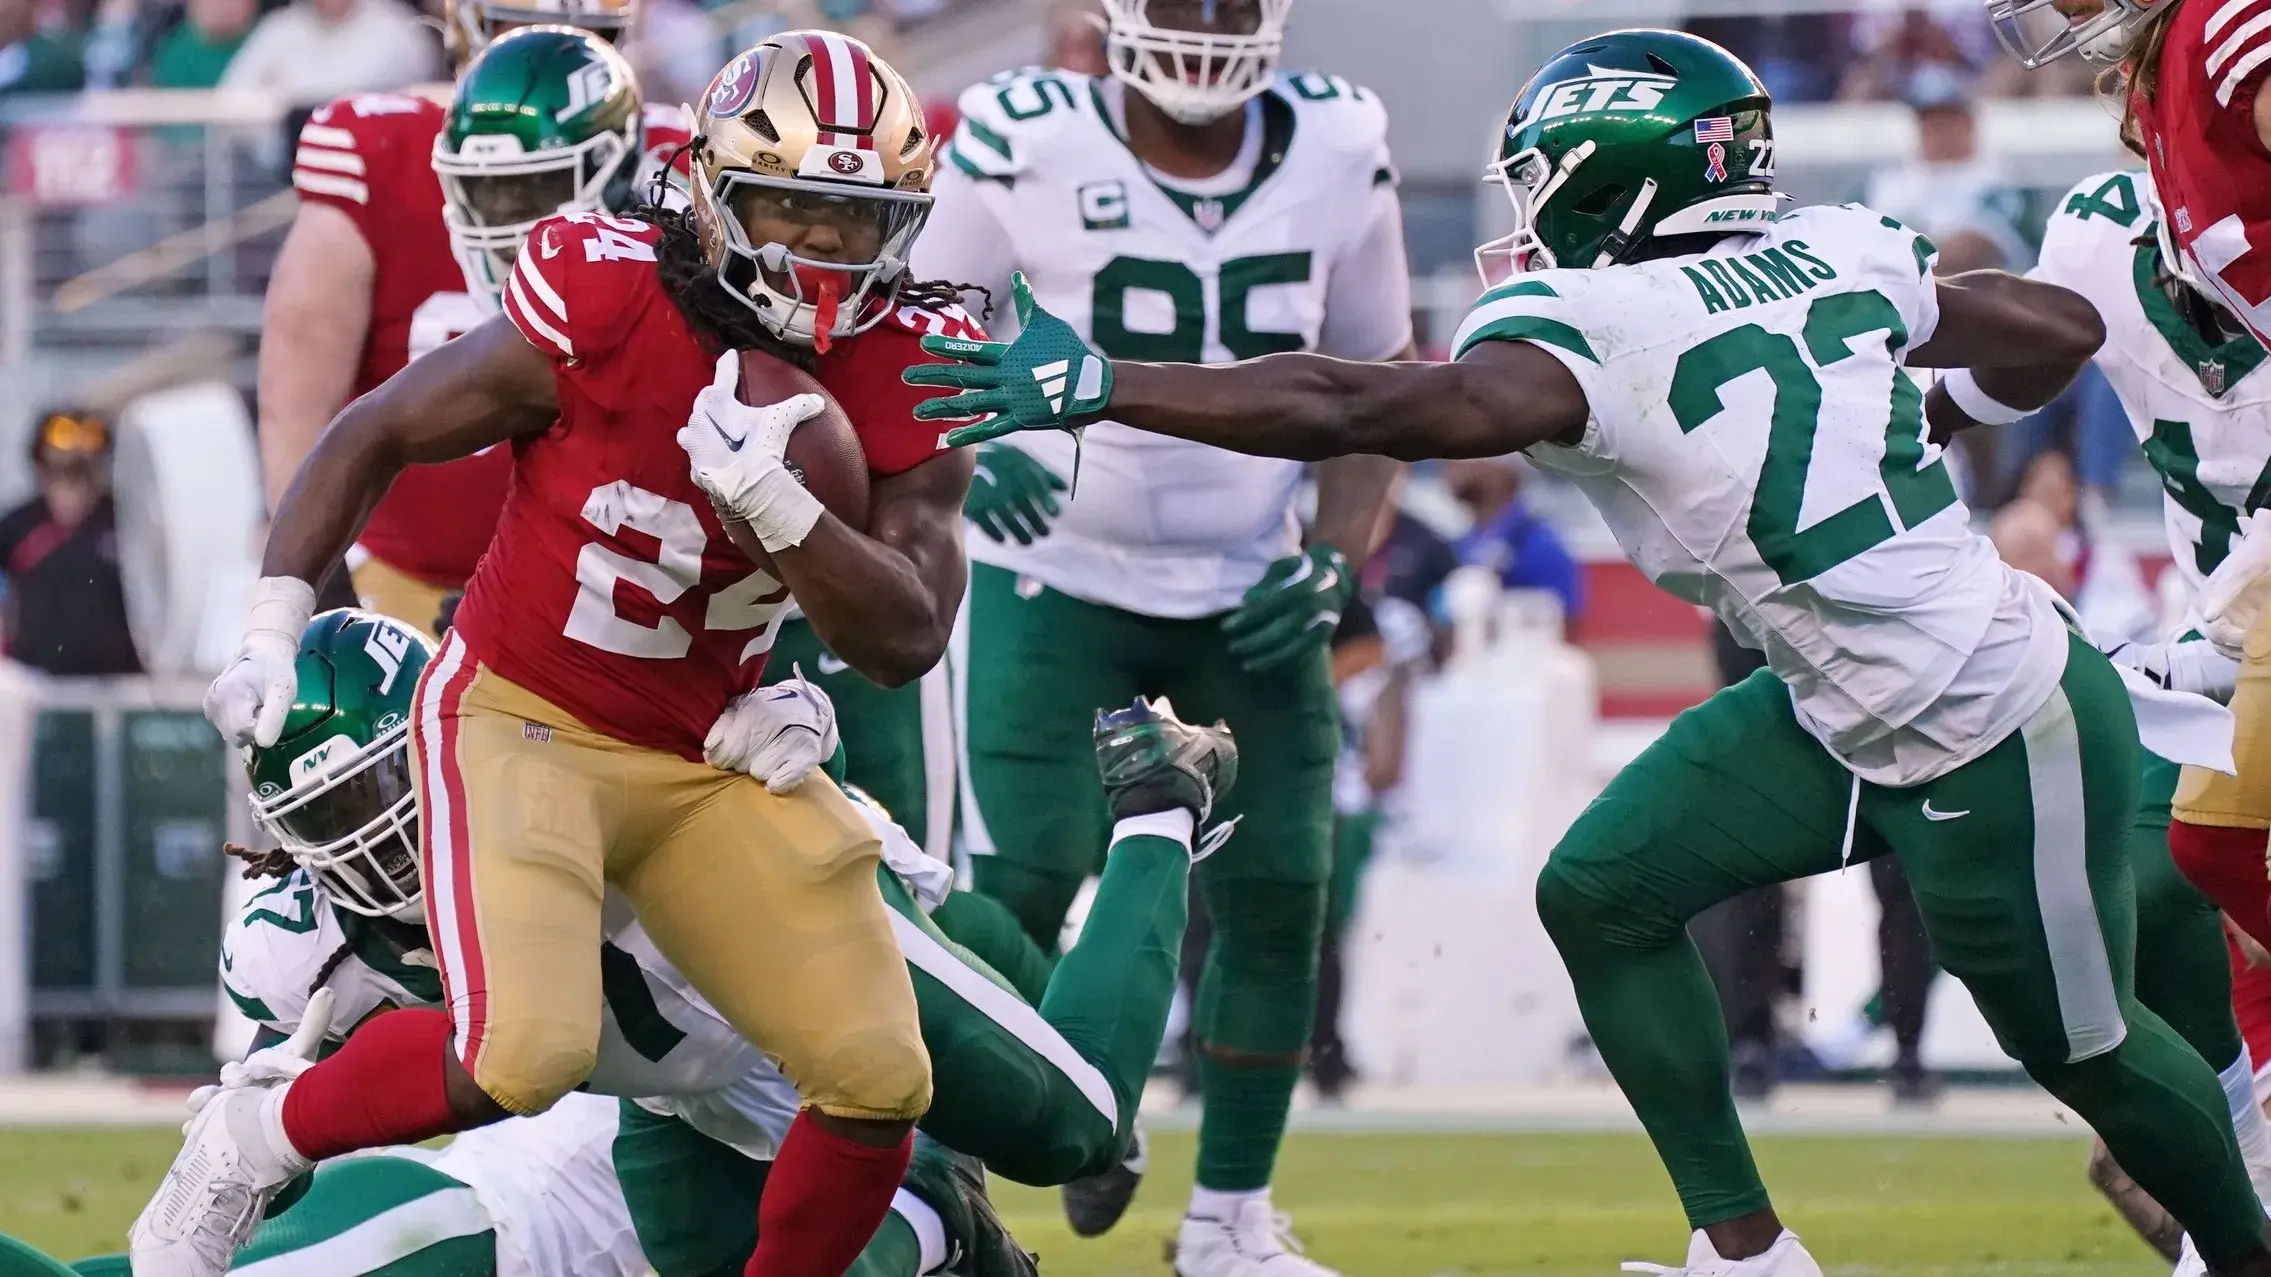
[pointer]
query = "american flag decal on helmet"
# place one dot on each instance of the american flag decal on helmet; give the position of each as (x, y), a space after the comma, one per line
(1717, 128)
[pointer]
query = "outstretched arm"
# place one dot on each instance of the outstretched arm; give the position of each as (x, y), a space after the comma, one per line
(483, 388)
(2019, 342)
(1502, 397)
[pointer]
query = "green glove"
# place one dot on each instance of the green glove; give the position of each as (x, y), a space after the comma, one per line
(1289, 615)
(1010, 495)
(1048, 379)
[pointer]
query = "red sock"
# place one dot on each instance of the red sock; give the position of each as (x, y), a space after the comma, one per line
(385, 1086)
(2229, 865)
(824, 1199)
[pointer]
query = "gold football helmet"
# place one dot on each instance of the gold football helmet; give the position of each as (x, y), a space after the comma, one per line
(811, 175)
(469, 25)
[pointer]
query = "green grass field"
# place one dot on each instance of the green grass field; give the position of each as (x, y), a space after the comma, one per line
(1415, 1205)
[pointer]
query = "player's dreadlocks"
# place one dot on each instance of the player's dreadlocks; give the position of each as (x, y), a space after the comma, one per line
(278, 863)
(712, 312)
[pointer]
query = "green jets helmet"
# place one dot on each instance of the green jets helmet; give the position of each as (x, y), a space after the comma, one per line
(546, 120)
(334, 790)
(1626, 137)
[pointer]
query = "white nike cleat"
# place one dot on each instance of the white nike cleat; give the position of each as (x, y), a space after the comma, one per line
(1785, 1258)
(232, 1162)
(1258, 1242)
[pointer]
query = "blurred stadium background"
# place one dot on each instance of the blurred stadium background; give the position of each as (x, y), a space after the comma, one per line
(144, 149)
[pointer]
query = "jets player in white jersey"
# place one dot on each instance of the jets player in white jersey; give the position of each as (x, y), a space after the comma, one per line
(1724, 380)
(1199, 205)
(2188, 377)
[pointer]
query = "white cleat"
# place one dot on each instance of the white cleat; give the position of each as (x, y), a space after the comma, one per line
(1257, 1243)
(232, 1162)
(1785, 1258)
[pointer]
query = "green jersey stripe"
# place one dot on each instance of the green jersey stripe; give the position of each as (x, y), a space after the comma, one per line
(1519, 327)
(987, 138)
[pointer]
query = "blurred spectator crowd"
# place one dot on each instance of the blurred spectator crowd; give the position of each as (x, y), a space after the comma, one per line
(310, 51)
(1871, 51)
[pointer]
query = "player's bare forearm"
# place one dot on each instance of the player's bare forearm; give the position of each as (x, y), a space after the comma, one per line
(314, 323)
(484, 388)
(2024, 340)
(884, 602)
(1503, 397)
(1350, 494)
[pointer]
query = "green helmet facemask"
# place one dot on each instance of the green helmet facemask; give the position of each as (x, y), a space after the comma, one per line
(1626, 137)
(335, 789)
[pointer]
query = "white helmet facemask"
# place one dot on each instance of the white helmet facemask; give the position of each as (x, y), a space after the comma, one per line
(353, 823)
(1195, 76)
(2035, 33)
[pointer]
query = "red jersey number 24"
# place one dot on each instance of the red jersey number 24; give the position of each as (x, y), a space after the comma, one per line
(754, 602)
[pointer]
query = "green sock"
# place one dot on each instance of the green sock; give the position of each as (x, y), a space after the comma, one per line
(894, 1252)
(1256, 999)
(1110, 993)
(1654, 1016)
(1242, 1122)
(986, 927)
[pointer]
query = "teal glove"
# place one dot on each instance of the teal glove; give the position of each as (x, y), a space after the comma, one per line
(1290, 614)
(1047, 379)
(1010, 495)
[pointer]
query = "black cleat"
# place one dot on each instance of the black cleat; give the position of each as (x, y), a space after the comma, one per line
(1094, 1204)
(978, 1243)
(1153, 761)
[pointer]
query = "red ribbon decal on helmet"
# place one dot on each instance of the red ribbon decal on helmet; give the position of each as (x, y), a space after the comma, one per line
(1718, 170)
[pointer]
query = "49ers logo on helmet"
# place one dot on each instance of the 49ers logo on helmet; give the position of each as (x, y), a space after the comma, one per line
(735, 86)
(846, 162)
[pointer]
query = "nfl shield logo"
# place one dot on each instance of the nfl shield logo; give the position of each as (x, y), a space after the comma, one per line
(1208, 214)
(2212, 377)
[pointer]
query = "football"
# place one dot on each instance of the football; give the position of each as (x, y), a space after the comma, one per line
(824, 453)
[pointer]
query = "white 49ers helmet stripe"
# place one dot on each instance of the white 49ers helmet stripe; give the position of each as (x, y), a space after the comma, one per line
(843, 89)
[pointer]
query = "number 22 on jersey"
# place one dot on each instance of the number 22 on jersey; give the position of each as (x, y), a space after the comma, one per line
(1834, 324)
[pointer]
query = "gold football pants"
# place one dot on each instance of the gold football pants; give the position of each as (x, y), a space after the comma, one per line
(767, 903)
(2243, 801)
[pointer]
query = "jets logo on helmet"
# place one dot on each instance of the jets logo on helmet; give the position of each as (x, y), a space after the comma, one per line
(1627, 137)
(1600, 89)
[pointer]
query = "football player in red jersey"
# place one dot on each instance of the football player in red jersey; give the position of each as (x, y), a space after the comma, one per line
(2193, 73)
(367, 280)
(559, 736)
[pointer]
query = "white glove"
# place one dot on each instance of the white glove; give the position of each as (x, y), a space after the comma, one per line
(280, 1063)
(248, 702)
(2182, 665)
(778, 734)
(2238, 590)
(735, 452)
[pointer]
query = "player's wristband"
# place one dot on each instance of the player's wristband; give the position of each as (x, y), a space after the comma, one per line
(774, 505)
(1964, 390)
(280, 605)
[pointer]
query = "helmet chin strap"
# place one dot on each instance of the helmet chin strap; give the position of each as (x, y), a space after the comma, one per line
(1615, 245)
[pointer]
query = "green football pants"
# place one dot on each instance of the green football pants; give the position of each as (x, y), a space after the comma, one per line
(1033, 667)
(2184, 974)
(364, 1217)
(882, 728)
(2020, 861)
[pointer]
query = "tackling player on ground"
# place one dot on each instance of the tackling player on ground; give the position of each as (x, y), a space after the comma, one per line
(1196, 205)
(383, 264)
(2192, 73)
(1726, 384)
(560, 735)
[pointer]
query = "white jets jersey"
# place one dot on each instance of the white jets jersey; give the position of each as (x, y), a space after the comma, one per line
(660, 1041)
(1758, 450)
(2201, 410)
(548, 1184)
(1298, 246)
